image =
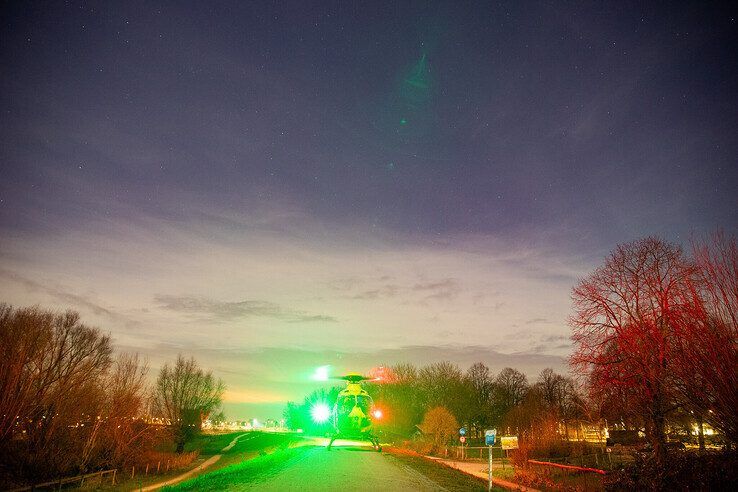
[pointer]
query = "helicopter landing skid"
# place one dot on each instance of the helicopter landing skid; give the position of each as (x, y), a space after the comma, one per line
(373, 439)
(375, 443)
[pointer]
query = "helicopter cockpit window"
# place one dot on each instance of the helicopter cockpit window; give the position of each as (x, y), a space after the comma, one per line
(346, 404)
(365, 403)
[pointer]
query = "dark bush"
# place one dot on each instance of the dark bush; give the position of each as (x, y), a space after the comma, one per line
(686, 471)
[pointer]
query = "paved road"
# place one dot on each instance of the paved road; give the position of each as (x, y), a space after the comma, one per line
(344, 468)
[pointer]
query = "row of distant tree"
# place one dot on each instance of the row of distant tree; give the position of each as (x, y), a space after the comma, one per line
(68, 405)
(476, 398)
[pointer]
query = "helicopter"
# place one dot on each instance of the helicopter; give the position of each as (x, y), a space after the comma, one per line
(354, 412)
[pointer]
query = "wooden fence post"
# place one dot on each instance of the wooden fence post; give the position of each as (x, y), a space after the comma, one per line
(133, 472)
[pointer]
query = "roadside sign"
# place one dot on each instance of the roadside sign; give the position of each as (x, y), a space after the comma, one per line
(489, 437)
(489, 440)
(509, 442)
(462, 431)
(462, 439)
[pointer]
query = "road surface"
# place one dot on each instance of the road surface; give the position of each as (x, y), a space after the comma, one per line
(343, 468)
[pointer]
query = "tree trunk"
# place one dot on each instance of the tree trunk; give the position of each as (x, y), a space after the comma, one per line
(89, 446)
(658, 439)
(701, 435)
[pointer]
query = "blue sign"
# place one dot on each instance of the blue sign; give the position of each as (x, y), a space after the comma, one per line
(490, 436)
(462, 431)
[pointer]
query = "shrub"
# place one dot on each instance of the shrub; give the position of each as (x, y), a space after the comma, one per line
(686, 471)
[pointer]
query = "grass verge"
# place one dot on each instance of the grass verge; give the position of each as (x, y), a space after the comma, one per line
(253, 470)
(210, 444)
(251, 445)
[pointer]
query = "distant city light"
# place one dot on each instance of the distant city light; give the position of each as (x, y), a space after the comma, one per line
(320, 413)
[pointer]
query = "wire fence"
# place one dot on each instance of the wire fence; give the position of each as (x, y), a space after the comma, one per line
(114, 477)
(568, 476)
(480, 453)
(101, 478)
(603, 461)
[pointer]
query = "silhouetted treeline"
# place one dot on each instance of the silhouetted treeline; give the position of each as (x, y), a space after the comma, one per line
(477, 398)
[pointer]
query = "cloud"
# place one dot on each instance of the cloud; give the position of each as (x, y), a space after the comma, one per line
(443, 289)
(255, 283)
(74, 301)
(555, 338)
(226, 311)
(384, 292)
(307, 318)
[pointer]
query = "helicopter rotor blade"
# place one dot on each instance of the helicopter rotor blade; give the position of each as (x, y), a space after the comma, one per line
(354, 378)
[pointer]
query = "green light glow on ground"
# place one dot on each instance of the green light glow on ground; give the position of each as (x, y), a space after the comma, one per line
(315, 468)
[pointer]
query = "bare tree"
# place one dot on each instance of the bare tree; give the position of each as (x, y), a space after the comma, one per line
(480, 381)
(119, 434)
(23, 337)
(186, 395)
(560, 396)
(50, 385)
(551, 387)
(624, 329)
(442, 384)
(510, 388)
(707, 346)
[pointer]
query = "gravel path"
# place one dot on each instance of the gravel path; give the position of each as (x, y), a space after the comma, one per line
(197, 470)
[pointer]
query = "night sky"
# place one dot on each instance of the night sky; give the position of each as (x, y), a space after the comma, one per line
(275, 186)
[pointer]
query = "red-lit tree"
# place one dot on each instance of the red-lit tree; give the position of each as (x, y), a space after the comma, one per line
(625, 324)
(707, 345)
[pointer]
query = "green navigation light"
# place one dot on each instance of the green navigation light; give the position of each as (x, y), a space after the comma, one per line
(320, 413)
